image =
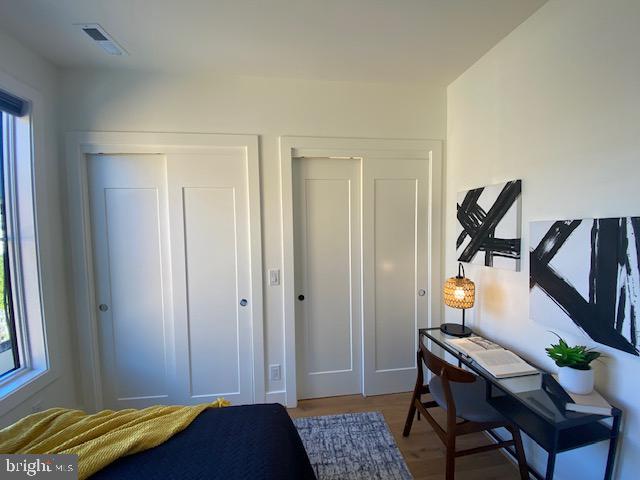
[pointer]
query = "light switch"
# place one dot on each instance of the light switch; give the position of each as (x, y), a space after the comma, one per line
(274, 277)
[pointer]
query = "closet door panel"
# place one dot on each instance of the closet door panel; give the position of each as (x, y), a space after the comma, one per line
(211, 269)
(395, 252)
(327, 278)
(395, 270)
(132, 281)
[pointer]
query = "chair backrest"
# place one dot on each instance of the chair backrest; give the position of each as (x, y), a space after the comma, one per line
(447, 373)
(442, 368)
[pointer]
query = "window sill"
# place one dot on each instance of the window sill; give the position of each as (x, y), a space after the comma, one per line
(16, 389)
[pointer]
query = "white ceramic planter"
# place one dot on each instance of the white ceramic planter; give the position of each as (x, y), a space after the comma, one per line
(576, 381)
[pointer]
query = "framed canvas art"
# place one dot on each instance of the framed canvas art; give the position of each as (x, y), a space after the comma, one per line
(489, 225)
(585, 273)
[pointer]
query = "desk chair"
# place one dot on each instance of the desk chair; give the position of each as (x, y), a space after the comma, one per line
(463, 395)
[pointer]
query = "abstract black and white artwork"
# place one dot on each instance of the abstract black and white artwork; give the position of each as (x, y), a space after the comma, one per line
(489, 226)
(585, 273)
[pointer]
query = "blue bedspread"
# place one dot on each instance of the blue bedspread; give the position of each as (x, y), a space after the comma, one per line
(245, 442)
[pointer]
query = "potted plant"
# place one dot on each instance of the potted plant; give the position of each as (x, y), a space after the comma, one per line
(575, 374)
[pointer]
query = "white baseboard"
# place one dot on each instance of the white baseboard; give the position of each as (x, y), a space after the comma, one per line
(279, 396)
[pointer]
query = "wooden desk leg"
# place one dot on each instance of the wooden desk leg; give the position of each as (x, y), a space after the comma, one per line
(613, 446)
(551, 465)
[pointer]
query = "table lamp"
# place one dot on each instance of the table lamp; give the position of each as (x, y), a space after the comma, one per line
(459, 292)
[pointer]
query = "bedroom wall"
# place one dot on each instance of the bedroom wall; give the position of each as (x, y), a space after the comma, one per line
(28, 68)
(556, 104)
(150, 102)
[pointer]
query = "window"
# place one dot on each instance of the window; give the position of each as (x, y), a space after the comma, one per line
(9, 351)
(24, 355)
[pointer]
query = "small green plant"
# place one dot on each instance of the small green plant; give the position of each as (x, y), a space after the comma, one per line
(578, 357)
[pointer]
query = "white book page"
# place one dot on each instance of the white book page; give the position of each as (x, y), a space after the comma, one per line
(472, 344)
(499, 357)
(503, 363)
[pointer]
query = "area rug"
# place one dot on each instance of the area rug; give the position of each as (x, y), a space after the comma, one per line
(352, 446)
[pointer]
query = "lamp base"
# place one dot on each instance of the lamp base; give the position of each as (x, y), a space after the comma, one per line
(455, 330)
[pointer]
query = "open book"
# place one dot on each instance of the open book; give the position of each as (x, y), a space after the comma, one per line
(499, 362)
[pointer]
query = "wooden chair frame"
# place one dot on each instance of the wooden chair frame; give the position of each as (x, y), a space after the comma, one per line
(450, 373)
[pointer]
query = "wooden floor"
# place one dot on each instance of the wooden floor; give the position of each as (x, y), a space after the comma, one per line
(422, 450)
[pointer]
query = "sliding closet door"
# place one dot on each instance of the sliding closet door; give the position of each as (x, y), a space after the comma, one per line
(209, 210)
(132, 278)
(395, 270)
(326, 196)
(173, 277)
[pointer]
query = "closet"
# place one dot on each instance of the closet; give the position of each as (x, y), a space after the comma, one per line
(172, 266)
(361, 272)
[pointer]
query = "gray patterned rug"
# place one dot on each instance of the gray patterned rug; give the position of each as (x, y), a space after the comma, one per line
(352, 446)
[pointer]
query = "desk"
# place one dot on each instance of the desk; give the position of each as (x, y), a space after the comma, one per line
(527, 403)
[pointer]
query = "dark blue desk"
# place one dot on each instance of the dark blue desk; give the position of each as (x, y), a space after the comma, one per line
(529, 403)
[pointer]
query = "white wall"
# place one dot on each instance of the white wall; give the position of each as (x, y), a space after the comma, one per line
(127, 101)
(29, 69)
(557, 104)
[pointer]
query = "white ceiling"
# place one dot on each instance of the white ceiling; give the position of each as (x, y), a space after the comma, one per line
(370, 40)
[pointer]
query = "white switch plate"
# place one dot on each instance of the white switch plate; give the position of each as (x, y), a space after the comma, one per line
(274, 277)
(274, 373)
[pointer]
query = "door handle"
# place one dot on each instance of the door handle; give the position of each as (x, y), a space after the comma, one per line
(103, 308)
(301, 297)
(243, 302)
(421, 292)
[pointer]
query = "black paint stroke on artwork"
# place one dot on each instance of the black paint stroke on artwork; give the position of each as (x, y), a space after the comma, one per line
(602, 315)
(480, 226)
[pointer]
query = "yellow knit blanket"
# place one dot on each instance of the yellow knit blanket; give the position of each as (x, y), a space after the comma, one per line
(101, 438)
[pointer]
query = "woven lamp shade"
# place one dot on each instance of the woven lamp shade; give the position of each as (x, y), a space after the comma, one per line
(459, 292)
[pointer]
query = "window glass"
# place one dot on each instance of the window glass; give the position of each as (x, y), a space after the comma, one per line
(9, 355)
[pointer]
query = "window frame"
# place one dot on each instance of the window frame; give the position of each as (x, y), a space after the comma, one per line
(36, 339)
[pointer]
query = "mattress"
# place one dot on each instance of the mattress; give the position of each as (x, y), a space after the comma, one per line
(244, 442)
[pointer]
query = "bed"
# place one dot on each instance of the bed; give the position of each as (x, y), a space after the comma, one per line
(244, 442)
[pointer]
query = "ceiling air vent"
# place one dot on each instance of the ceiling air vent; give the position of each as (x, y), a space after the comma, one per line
(102, 38)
